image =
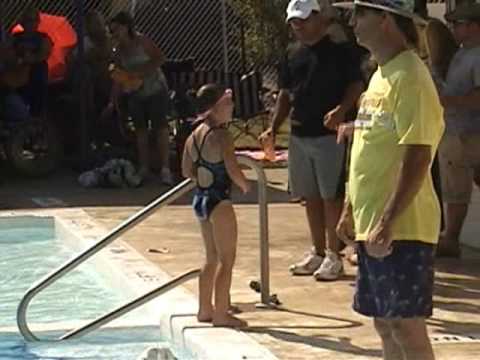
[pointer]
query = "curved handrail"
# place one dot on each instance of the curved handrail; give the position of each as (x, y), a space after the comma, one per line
(135, 219)
(167, 198)
(132, 305)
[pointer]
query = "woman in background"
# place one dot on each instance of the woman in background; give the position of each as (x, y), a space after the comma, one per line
(139, 59)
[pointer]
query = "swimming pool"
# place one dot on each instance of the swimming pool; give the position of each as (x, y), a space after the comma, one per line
(30, 250)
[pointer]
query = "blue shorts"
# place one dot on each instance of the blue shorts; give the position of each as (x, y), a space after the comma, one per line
(397, 286)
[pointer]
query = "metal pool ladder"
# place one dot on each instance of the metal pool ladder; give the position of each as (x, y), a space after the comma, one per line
(167, 198)
(267, 300)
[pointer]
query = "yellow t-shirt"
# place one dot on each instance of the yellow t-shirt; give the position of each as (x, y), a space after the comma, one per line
(400, 107)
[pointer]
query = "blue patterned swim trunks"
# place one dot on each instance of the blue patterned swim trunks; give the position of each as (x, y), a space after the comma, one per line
(397, 286)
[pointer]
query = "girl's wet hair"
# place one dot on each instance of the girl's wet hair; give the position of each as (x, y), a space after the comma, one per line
(208, 95)
(125, 19)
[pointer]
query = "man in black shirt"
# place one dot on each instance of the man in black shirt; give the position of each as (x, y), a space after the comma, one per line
(320, 82)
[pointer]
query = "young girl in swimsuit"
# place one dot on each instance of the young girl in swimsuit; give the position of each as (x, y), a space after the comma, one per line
(209, 160)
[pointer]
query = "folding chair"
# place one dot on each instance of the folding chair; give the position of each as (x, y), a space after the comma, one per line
(249, 107)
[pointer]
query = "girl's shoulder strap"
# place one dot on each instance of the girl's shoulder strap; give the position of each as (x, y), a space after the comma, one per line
(204, 138)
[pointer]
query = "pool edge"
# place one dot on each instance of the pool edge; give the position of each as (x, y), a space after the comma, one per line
(179, 326)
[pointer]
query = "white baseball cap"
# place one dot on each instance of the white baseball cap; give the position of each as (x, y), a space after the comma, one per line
(301, 9)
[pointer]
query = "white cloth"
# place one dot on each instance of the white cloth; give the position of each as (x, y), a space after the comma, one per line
(117, 173)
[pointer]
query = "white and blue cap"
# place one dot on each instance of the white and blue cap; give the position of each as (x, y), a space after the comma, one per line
(404, 8)
(302, 9)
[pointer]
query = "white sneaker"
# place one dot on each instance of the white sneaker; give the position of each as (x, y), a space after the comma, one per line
(308, 265)
(331, 268)
(166, 176)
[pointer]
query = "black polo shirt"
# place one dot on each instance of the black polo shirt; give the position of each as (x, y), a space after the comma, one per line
(317, 76)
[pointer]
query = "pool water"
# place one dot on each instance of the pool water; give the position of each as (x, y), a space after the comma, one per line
(28, 253)
(111, 344)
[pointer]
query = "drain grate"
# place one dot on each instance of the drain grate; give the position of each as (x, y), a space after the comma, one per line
(453, 338)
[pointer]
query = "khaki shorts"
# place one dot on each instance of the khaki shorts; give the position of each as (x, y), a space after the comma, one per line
(459, 159)
(316, 167)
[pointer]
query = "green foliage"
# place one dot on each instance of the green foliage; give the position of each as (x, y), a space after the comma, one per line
(265, 32)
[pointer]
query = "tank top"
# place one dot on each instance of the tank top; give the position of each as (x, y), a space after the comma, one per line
(154, 82)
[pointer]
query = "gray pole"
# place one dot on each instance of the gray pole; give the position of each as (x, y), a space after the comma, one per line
(226, 65)
(263, 225)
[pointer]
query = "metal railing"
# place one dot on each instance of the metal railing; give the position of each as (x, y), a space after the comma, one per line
(135, 219)
(170, 196)
(122, 310)
(263, 226)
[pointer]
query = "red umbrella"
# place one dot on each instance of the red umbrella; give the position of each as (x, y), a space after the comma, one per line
(63, 37)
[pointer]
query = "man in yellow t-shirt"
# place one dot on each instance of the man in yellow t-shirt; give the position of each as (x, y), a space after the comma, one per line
(392, 211)
(400, 108)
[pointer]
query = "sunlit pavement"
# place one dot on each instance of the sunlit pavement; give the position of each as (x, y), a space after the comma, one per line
(315, 320)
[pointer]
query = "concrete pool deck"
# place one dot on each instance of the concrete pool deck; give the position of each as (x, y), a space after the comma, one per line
(315, 320)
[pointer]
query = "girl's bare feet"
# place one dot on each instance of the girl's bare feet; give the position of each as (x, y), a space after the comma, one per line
(233, 309)
(228, 320)
(205, 315)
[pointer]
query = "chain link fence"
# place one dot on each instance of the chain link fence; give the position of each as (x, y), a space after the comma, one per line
(10, 10)
(232, 35)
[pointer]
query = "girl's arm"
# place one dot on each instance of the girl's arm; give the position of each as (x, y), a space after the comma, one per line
(231, 163)
(187, 162)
